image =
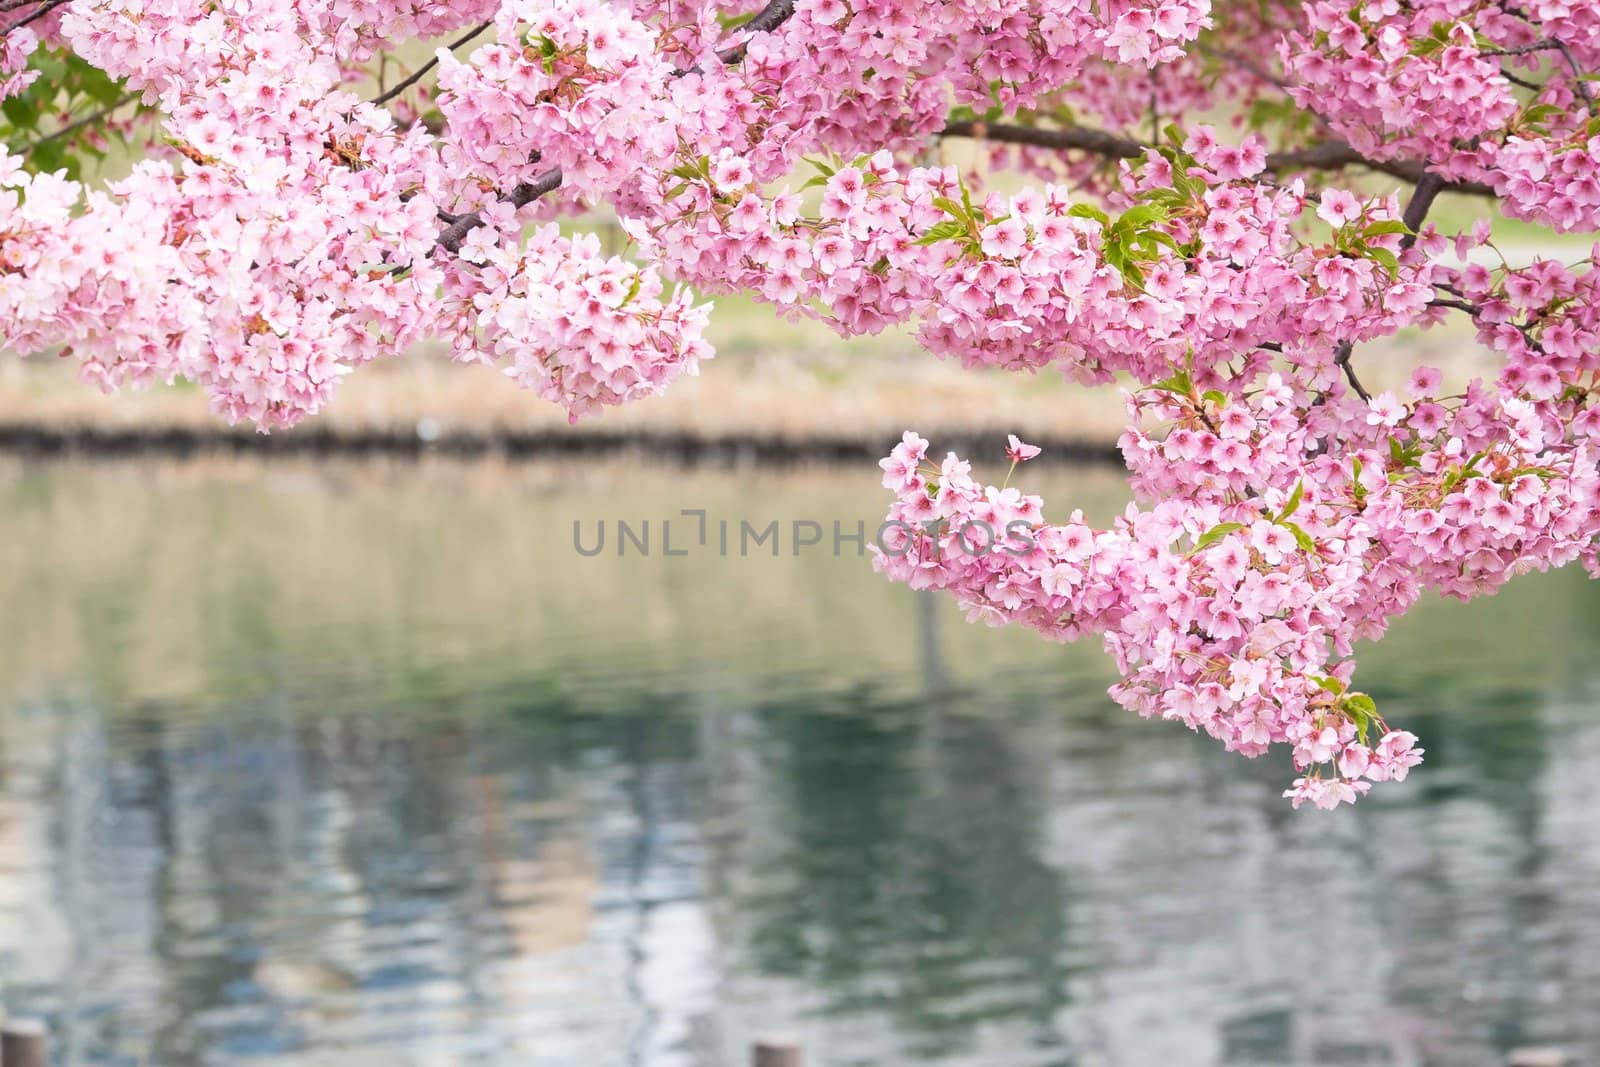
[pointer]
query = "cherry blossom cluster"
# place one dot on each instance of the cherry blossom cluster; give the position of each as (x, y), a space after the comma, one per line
(1481, 89)
(577, 328)
(356, 29)
(1232, 601)
(572, 84)
(1549, 181)
(1226, 627)
(1544, 317)
(1400, 82)
(15, 48)
(293, 236)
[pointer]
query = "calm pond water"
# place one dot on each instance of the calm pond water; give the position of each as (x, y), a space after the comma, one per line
(353, 765)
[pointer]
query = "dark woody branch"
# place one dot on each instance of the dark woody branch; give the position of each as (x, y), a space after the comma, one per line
(1328, 155)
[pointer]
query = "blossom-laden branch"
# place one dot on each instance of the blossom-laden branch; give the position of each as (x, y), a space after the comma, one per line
(1580, 77)
(1287, 511)
(1326, 156)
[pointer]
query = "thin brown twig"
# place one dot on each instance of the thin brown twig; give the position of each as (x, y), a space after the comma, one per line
(1549, 44)
(524, 194)
(1457, 302)
(1341, 359)
(400, 87)
(73, 127)
(1580, 86)
(44, 9)
(1327, 155)
(1523, 82)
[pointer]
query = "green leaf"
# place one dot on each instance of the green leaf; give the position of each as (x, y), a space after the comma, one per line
(21, 112)
(1215, 534)
(1361, 709)
(1154, 240)
(52, 156)
(1141, 215)
(1361, 704)
(100, 86)
(1216, 396)
(1301, 538)
(822, 168)
(1089, 211)
(943, 231)
(1294, 501)
(1386, 259)
(953, 209)
(1328, 683)
(1540, 113)
(1387, 226)
(1179, 383)
(1169, 197)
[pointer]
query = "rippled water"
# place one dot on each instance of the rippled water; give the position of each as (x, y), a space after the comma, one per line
(368, 766)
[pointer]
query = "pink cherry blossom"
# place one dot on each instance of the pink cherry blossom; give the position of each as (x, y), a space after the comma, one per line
(1020, 452)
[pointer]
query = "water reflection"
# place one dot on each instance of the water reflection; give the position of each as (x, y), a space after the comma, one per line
(321, 775)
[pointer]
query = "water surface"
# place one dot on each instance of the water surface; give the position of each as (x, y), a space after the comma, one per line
(352, 765)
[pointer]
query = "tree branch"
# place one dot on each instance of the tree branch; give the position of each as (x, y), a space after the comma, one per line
(1081, 138)
(73, 127)
(769, 18)
(1549, 44)
(1328, 155)
(1580, 86)
(1422, 198)
(451, 236)
(1458, 303)
(1341, 359)
(44, 9)
(401, 87)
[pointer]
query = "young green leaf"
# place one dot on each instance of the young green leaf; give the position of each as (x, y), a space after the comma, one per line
(1294, 501)
(1215, 534)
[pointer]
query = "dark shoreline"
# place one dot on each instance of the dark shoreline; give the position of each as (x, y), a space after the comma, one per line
(40, 441)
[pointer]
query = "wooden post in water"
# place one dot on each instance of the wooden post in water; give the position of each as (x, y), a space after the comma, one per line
(1523, 1057)
(769, 1052)
(22, 1044)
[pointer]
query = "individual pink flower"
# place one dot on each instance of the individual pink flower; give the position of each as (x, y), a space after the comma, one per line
(1018, 451)
(1338, 207)
(1385, 410)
